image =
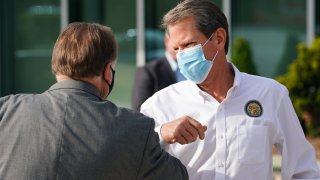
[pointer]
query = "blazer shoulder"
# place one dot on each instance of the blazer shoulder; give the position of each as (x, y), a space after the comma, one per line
(158, 63)
(13, 99)
(135, 119)
(153, 66)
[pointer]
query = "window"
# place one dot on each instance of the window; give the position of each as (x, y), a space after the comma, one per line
(273, 29)
(36, 28)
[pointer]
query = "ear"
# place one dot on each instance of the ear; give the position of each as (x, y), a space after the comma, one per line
(221, 37)
(107, 72)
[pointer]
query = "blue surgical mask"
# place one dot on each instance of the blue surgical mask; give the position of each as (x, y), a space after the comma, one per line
(193, 64)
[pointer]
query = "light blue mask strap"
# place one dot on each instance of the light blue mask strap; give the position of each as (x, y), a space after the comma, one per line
(208, 39)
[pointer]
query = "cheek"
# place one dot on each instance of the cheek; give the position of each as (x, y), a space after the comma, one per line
(210, 52)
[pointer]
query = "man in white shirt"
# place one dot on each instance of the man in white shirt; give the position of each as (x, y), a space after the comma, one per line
(221, 123)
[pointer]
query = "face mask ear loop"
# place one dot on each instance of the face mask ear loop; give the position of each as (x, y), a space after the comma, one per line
(208, 39)
(215, 56)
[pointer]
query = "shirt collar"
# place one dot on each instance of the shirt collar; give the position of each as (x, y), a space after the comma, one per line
(237, 76)
(76, 84)
(232, 90)
(203, 96)
(171, 61)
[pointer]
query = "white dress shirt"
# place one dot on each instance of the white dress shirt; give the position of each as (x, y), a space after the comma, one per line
(237, 145)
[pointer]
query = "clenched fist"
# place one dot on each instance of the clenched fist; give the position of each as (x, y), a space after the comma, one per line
(183, 130)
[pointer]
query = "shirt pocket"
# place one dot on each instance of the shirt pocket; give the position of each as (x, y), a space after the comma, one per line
(252, 141)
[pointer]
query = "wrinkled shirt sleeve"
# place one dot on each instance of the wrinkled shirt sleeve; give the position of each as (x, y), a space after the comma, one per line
(147, 109)
(298, 155)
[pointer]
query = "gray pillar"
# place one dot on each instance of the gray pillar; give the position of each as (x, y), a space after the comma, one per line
(226, 8)
(310, 21)
(140, 30)
(64, 13)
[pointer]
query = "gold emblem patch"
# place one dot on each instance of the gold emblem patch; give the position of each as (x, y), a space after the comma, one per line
(253, 108)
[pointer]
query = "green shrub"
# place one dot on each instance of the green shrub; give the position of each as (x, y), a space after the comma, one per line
(303, 83)
(289, 54)
(242, 57)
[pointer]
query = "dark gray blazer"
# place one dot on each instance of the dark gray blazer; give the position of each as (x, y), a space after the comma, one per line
(149, 79)
(69, 132)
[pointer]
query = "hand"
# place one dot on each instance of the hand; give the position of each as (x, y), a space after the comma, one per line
(183, 130)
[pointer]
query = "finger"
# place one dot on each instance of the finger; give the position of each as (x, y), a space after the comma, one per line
(184, 132)
(187, 135)
(180, 139)
(199, 127)
(192, 131)
(172, 141)
(204, 130)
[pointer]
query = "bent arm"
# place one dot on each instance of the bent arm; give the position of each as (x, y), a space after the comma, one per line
(158, 164)
(298, 155)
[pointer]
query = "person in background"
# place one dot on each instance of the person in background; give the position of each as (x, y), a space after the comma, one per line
(155, 76)
(70, 131)
(222, 123)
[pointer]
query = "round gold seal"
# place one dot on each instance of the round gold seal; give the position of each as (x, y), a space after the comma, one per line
(253, 108)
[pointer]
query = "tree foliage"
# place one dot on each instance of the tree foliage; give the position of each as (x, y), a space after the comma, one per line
(303, 83)
(289, 54)
(242, 56)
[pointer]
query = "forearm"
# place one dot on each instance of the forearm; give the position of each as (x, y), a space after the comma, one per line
(298, 155)
(158, 164)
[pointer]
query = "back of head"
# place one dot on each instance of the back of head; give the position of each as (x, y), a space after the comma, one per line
(82, 50)
(208, 17)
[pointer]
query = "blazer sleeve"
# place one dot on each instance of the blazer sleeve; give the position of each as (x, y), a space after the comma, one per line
(142, 88)
(158, 164)
(3, 106)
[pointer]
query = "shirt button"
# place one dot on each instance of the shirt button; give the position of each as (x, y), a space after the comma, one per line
(220, 165)
(221, 137)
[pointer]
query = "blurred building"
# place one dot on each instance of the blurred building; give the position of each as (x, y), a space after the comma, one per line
(29, 28)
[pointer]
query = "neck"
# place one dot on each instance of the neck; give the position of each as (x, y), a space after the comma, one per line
(60, 77)
(96, 81)
(219, 81)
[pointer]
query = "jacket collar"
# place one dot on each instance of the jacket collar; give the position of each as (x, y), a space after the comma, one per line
(76, 84)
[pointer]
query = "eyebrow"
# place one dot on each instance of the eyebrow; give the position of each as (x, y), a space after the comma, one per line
(184, 43)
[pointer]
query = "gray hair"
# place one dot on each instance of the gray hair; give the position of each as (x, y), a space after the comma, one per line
(208, 17)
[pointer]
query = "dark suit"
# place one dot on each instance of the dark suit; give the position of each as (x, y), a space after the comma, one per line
(149, 79)
(69, 132)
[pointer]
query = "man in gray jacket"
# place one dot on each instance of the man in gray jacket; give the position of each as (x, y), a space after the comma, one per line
(70, 131)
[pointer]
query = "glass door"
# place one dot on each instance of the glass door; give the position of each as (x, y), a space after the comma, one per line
(36, 27)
